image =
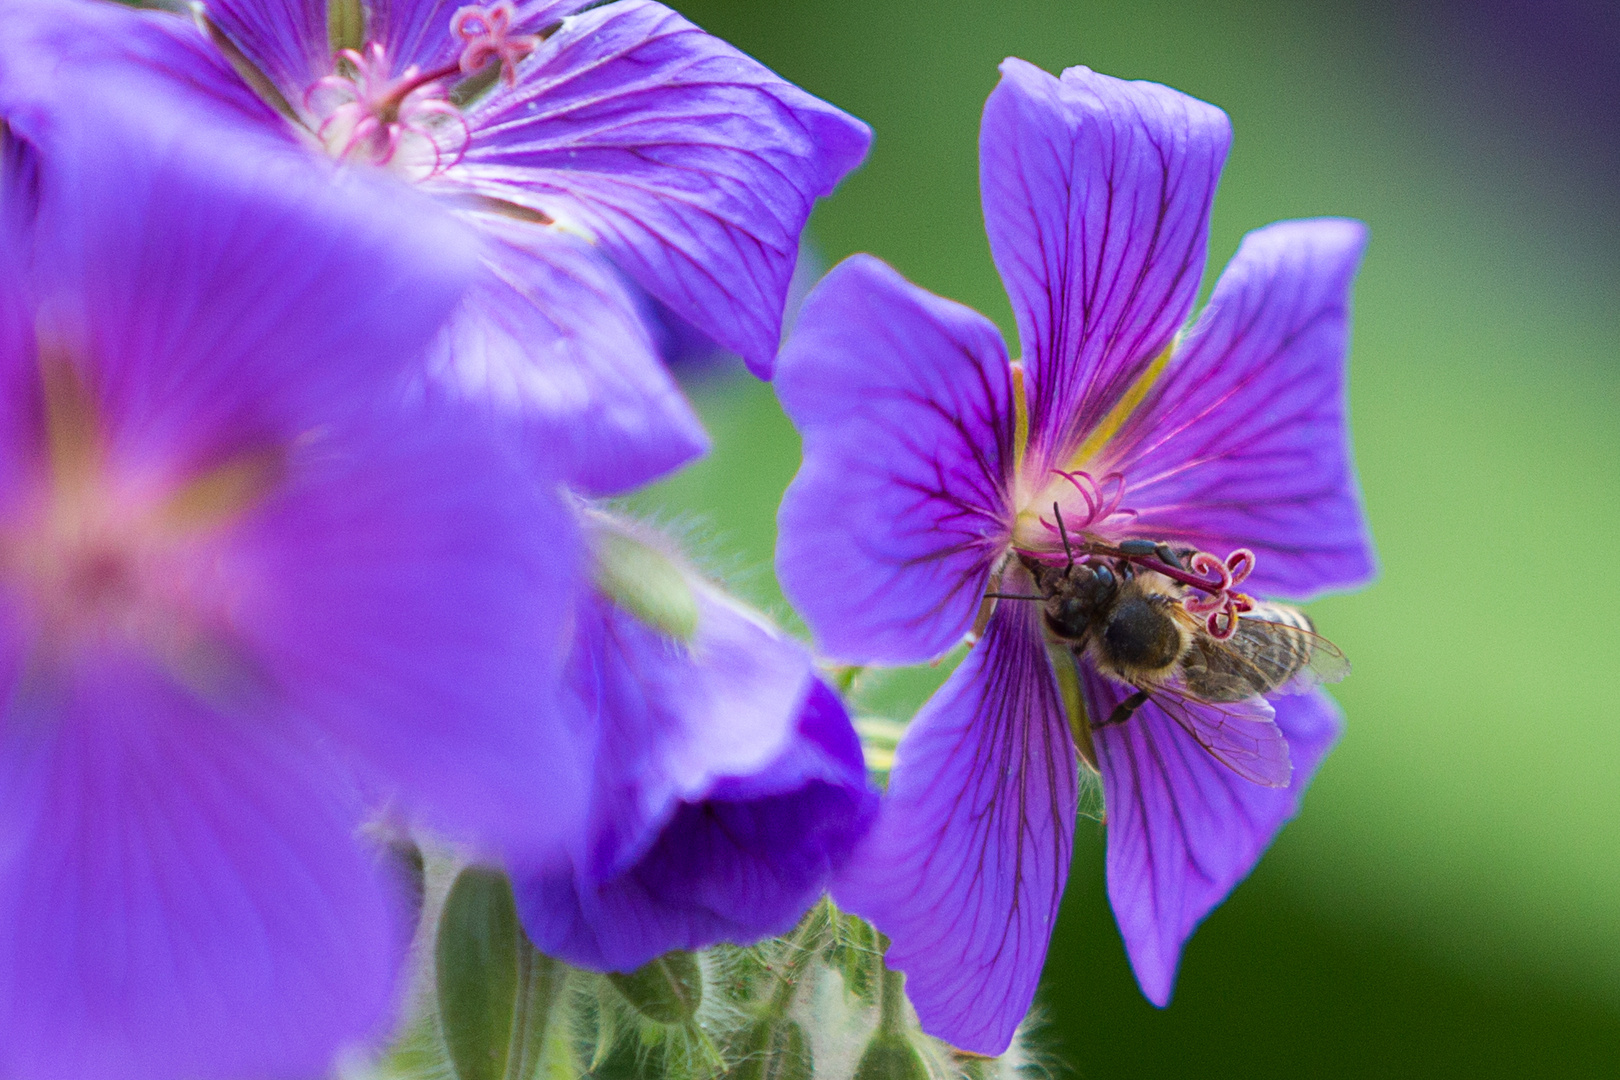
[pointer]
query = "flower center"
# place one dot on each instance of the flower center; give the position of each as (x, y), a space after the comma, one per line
(97, 560)
(372, 116)
(1076, 503)
(407, 121)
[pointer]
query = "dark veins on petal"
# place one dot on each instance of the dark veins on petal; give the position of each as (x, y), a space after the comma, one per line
(1013, 817)
(958, 506)
(1113, 352)
(1261, 436)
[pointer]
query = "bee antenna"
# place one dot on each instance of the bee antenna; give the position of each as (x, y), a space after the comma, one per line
(1013, 596)
(1064, 533)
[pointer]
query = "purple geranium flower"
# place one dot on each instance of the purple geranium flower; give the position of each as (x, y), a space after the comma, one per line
(619, 140)
(928, 483)
(240, 588)
(729, 781)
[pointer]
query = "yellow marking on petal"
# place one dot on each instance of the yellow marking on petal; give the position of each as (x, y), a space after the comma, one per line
(345, 25)
(1020, 417)
(72, 427)
(1074, 703)
(224, 492)
(1122, 411)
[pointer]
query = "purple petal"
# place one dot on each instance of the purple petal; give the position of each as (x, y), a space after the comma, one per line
(211, 275)
(888, 533)
(136, 58)
(729, 785)
(966, 864)
(184, 892)
(691, 165)
(284, 39)
(742, 864)
(1097, 195)
(418, 31)
(551, 335)
(1245, 441)
(408, 591)
(1183, 829)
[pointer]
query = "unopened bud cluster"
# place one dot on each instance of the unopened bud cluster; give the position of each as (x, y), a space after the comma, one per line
(815, 1003)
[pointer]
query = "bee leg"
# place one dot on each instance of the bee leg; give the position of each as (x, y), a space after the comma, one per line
(1123, 711)
(1167, 556)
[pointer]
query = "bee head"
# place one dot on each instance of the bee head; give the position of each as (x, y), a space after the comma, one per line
(1075, 599)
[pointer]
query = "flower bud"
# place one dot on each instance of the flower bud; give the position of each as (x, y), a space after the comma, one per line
(890, 1056)
(495, 992)
(666, 991)
(642, 579)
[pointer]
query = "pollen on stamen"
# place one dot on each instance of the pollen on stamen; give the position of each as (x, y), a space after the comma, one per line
(487, 31)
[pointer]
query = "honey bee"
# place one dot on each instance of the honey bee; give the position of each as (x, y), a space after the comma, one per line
(1129, 620)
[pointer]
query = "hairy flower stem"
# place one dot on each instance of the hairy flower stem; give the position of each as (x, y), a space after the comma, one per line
(801, 949)
(892, 1003)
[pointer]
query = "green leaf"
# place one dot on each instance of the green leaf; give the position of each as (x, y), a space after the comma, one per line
(667, 991)
(856, 952)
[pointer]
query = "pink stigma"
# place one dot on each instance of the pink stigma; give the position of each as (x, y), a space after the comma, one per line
(487, 30)
(1221, 605)
(402, 121)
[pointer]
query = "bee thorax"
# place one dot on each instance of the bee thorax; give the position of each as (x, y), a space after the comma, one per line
(1141, 637)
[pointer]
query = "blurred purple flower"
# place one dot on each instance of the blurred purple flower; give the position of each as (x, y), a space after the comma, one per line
(924, 472)
(619, 140)
(242, 595)
(729, 781)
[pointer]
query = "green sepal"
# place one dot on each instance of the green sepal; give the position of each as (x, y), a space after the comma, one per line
(666, 991)
(495, 992)
(645, 582)
(773, 1050)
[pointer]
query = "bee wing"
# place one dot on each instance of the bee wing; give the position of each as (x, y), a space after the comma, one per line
(1274, 651)
(1242, 735)
(1294, 659)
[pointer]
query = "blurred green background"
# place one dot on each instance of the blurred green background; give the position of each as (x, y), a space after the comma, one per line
(1449, 901)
